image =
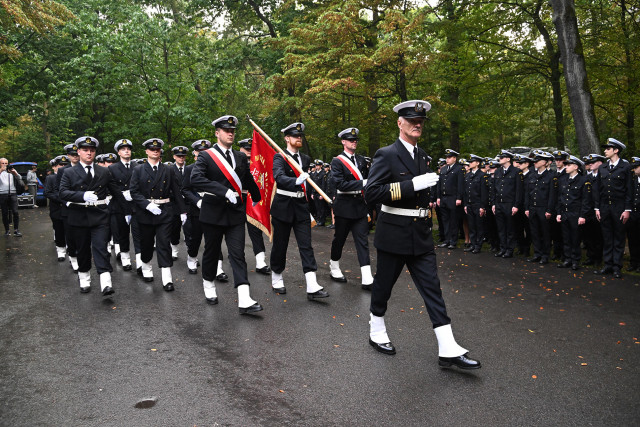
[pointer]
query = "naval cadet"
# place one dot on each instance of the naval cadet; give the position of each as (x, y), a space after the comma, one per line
(398, 178)
(54, 207)
(72, 252)
(476, 202)
(592, 235)
(179, 156)
(633, 225)
(349, 176)
(521, 222)
(574, 204)
(613, 202)
(84, 189)
(255, 234)
(449, 198)
(559, 157)
(223, 176)
(155, 189)
(290, 211)
(124, 221)
(507, 198)
(540, 196)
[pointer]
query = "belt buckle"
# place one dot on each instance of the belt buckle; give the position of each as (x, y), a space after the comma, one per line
(423, 213)
(91, 204)
(299, 194)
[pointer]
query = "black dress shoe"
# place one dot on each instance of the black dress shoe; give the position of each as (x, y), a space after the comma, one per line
(255, 307)
(331, 227)
(168, 287)
(85, 290)
(469, 249)
(148, 279)
(617, 274)
(212, 301)
(60, 259)
(443, 245)
(556, 258)
(494, 249)
(605, 270)
(193, 271)
(127, 267)
(118, 256)
(280, 291)
(222, 277)
(339, 279)
(476, 251)
(588, 262)
(451, 247)
(534, 259)
(7, 233)
(575, 266)
(108, 290)
(565, 264)
(264, 270)
(499, 254)
(17, 233)
(317, 294)
(462, 362)
(366, 287)
(139, 271)
(386, 348)
(630, 268)
(175, 258)
(507, 254)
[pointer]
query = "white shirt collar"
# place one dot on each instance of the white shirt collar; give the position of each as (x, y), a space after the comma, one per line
(126, 163)
(84, 165)
(614, 164)
(408, 146)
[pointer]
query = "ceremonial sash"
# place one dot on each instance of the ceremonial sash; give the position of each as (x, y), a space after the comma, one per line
(227, 170)
(354, 171)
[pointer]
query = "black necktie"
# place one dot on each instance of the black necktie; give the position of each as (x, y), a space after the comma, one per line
(415, 157)
(155, 169)
(126, 165)
(611, 166)
(227, 155)
(181, 171)
(295, 156)
(353, 159)
(89, 171)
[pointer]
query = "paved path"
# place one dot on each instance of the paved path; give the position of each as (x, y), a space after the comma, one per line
(557, 348)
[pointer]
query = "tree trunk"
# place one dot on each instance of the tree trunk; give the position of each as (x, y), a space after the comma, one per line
(575, 75)
(631, 82)
(451, 90)
(45, 127)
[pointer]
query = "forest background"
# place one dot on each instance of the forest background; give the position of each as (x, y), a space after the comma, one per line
(492, 69)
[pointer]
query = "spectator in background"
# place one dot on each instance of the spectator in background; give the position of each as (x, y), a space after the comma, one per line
(32, 183)
(10, 186)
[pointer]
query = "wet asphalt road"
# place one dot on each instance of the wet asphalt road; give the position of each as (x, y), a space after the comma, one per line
(557, 348)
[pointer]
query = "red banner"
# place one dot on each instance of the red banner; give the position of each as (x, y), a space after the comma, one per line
(262, 171)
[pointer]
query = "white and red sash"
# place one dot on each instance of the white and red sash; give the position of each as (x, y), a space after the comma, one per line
(227, 170)
(354, 171)
(295, 171)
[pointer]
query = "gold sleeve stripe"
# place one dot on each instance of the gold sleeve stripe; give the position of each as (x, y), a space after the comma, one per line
(394, 188)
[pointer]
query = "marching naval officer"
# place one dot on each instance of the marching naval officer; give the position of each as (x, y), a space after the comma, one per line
(397, 179)
(179, 156)
(290, 210)
(84, 189)
(54, 207)
(72, 252)
(349, 174)
(155, 188)
(223, 175)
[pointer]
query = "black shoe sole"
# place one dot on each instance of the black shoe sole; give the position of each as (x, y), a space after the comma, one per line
(444, 364)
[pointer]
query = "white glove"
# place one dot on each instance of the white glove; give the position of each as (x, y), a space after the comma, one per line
(231, 196)
(128, 219)
(90, 196)
(154, 209)
(302, 178)
(183, 218)
(364, 182)
(427, 180)
(127, 195)
(107, 200)
(199, 204)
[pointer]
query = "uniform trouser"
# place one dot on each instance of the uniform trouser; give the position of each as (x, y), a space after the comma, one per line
(255, 234)
(176, 225)
(359, 228)
(613, 235)
(556, 237)
(321, 210)
(504, 222)
(72, 250)
(58, 233)
(424, 272)
(633, 238)
(441, 230)
(160, 233)
(491, 229)
(522, 230)
(193, 235)
(449, 212)
(10, 203)
(92, 241)
(541, 231)
(592, 238)
(281, 233)
(234, 237)
(476, 226)
(121, 231)
(571, 237)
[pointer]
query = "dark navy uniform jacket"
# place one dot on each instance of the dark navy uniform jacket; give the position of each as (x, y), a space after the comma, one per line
(191, 196)
(507, 187)
(451, 182)
(164, 184)
(476, 189)
(75, 182)
(635, 205)
(216, 209)
(54, 199)
(390, 183)
(122, 177)
(541, 191)
(285, 208)
(614, 186)
(351, 206)
(574, 197)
